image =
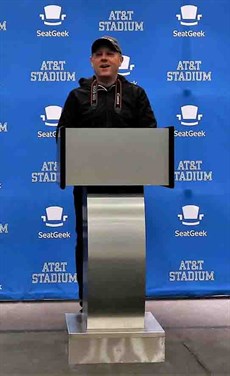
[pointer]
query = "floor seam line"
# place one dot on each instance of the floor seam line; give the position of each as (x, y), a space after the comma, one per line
(196, 357)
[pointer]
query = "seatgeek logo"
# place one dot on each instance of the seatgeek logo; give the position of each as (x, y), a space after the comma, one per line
(50, 119)
(126, 66)
(52, 16)
(191, 216)
(54, 217)
(189, 16)
(189, 116)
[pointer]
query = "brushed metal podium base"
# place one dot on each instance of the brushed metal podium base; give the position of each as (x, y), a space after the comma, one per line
(114, 346)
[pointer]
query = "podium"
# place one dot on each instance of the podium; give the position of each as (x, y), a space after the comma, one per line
(113, 165)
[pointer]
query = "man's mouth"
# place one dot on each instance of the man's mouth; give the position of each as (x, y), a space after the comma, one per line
(104, 66)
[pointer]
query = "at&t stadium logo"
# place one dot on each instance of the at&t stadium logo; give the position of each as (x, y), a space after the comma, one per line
(47, 173)
(191, 216)
(54, 272)
(192, 171)
(53, 70)
(190, 271)
(53, 15)
(189, 16)
(126, 66)
(121, 20)
(189, 70)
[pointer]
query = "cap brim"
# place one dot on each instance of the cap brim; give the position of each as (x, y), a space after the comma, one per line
(103, 42)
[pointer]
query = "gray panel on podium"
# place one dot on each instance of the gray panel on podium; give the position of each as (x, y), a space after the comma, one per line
(117, 156)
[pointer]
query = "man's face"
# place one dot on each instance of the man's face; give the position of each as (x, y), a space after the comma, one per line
(106, 62)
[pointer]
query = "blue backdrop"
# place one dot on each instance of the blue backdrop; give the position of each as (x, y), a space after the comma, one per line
(178, 51)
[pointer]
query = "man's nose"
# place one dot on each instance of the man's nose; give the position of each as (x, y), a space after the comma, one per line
(104, 57)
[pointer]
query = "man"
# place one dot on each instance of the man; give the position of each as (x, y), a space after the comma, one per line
(106, 100)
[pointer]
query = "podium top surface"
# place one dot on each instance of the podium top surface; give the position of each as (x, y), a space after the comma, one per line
(116, 156)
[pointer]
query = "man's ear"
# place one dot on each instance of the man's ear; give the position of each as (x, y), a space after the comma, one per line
(121, 59)
(91, 61)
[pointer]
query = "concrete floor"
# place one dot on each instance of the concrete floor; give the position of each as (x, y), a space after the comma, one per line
(33, 340)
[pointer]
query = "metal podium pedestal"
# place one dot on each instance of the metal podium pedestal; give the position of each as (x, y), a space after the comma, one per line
(114, 346)
(114, 261)
(113, 327)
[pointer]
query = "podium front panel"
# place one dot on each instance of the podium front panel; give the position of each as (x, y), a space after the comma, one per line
(112, 156)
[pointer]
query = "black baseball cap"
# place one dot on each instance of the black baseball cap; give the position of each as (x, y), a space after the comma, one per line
(106, 41)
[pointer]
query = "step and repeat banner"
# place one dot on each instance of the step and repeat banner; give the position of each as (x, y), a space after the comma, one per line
(179, 52)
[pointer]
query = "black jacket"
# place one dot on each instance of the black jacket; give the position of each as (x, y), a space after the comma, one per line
(79, 111)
